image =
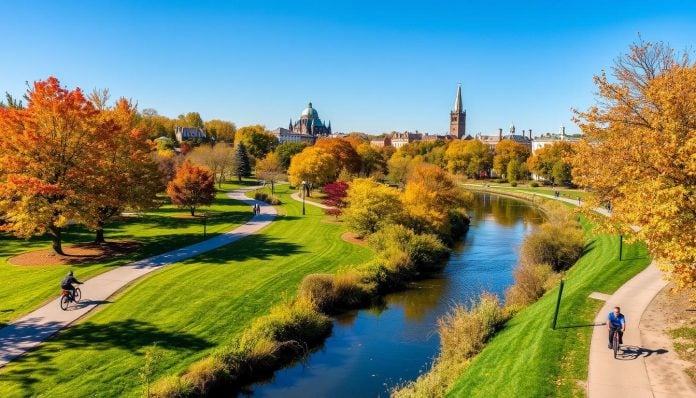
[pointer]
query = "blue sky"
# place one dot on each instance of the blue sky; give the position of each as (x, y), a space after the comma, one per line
(372, 66)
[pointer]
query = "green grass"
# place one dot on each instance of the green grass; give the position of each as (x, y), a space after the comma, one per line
(187, 309)
(160, 230)
(565, 192)
(529, 359)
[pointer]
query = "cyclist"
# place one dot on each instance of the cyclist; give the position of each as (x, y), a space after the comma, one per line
(617, 324)
(67, 284)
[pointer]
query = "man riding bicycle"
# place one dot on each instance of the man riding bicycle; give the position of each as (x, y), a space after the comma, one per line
(67, 284)
(617, 324)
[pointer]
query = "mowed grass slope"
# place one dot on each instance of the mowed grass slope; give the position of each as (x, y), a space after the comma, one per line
(159, 230)
(187, 309)
(529, 359)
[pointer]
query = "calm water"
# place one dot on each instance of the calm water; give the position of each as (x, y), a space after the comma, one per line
(372, 350)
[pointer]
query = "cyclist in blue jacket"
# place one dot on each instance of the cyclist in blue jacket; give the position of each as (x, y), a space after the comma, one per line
(617, 324)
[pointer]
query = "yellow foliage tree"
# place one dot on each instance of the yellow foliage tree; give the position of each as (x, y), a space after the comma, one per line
(469, 157)
(639, 153)
(429, 196)
(313, 165)
(507, 150)
(371, 205)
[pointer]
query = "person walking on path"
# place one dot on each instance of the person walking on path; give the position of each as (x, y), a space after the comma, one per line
(617, 324)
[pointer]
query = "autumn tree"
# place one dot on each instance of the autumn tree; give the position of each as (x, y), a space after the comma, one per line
(400, 168)
(506, 151)
(336, 194)
(220, 130)
(155, 125)
(219, 159)
(370, 159)
(257, 140)
(429, 196)
(555, 156)
(638, 152)
(241, 165)
(469, 157)
(314, 165)
(46, 159)
(124, 174)
(346, 156)
(167, 161)
(287, 150)
(192, 187)
(191, 119)
(270, 170)
(371, 205)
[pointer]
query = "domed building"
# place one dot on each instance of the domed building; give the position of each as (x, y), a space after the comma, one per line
(310, 123)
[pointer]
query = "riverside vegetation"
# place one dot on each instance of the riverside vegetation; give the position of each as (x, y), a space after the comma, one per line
(407, 242)
(544, 256)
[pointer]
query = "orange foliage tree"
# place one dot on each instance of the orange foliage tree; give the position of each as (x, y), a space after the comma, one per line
(124, 174)
(639, 153)
(345, 154)
(192, 187)
(48, 152)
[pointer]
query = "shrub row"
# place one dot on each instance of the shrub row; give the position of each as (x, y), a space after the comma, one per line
(270, 342)
(270, 199)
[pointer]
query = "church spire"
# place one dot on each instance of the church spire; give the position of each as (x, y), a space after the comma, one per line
(458, 100)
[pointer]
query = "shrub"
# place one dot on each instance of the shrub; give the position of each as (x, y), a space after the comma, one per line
(270, 199)
(425, 251)
(205, 374)
(171, 387)
(534, 184)
(531, 282)
(500, 181)
(557, 244)
(513, 184)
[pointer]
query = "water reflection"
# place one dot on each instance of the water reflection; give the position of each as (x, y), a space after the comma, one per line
(376, 348)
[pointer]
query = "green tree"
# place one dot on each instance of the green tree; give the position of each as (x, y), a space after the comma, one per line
(257, 140)
(370, 206)
(191, 119)
(514, 170)
(241, 165)
(287, 150)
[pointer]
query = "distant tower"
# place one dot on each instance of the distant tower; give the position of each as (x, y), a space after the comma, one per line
(458, 117)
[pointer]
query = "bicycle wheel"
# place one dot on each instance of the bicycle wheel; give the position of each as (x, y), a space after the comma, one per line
(78, 295)
(64, 302)
(616, 344)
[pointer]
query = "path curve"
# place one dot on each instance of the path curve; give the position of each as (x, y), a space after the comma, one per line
(630, 376)
(296, 196)
(31, 330)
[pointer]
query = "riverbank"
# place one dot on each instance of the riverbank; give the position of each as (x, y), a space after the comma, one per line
(531, 359)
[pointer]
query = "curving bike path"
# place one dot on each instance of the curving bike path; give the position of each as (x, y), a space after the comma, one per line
(31, 330)
(296, 196)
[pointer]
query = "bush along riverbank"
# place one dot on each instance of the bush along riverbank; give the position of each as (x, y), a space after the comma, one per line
(544, 255)
(408, 238)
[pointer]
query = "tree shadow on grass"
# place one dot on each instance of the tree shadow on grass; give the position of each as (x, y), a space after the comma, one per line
(129, 335)
(261, 247)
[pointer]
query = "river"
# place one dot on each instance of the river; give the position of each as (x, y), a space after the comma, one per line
(372, 350)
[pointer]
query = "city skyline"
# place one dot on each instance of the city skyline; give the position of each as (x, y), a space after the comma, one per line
(388, 68)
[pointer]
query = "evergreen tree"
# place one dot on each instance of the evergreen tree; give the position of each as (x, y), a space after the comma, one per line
(241, 165)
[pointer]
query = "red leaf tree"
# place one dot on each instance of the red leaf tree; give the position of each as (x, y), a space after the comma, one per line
(336, 198)
(192, 187)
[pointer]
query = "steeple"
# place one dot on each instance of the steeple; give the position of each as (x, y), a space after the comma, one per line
(458, 117)
(458, 100)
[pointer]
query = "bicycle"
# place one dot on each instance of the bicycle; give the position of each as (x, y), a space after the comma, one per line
(615, 342)
(66, 298)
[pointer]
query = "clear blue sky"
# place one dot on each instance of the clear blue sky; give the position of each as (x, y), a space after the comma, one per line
(371, 66)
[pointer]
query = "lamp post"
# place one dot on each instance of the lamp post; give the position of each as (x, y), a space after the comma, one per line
(205, 219)
(304, 192)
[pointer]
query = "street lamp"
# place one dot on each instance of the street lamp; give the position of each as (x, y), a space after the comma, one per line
(304, 192)
(205, 219)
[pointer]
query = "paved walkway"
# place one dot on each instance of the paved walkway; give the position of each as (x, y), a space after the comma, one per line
(34, 328)
(298, 198)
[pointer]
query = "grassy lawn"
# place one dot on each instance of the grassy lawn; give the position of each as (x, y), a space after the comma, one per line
(187, 309)
(529, 359)
(565, 192)
(160, 230)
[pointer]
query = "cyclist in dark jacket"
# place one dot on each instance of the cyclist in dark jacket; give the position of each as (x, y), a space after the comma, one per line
(67, 284)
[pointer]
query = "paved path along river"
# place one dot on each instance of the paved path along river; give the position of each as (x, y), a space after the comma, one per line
(34, 328)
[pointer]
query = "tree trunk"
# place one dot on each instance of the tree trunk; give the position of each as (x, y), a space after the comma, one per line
(272, 188)
(193, 212)
(57, 244)
(100, 233)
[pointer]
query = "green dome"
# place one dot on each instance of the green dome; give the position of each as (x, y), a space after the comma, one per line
(310, 112)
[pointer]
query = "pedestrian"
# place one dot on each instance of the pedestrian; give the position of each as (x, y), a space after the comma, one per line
(253, 209)
(258, 208)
